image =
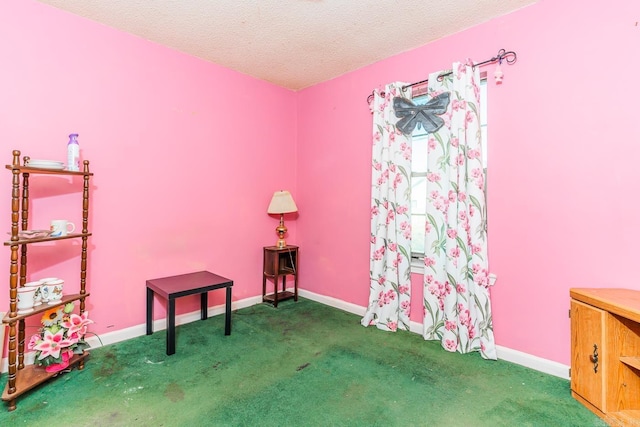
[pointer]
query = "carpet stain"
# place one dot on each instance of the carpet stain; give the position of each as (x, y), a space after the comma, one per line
(109, 365)
(301, 367)
(215, 365)
(174, 392)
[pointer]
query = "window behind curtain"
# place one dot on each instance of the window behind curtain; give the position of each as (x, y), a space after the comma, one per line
(419, 170)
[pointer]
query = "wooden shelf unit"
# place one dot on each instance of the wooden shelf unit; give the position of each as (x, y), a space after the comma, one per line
(605, 352)
(279, 262)
(23, 378)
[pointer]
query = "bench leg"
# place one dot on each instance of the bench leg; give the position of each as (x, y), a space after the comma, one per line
(149, 311)
(227, 313)
(171, 326)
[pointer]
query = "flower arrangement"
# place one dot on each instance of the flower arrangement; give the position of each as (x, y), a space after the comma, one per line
(62, 334)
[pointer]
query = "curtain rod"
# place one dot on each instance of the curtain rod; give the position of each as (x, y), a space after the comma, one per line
(508, 56)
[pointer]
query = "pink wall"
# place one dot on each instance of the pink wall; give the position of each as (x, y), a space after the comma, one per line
(186, 156)
(563, 177)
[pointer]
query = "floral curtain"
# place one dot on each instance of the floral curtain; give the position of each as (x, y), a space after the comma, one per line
(390, 246)
(456, 278)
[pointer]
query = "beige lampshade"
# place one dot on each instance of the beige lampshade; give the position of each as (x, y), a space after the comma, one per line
(282, 203)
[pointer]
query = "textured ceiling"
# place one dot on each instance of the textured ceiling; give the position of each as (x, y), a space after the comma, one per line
(291, 43)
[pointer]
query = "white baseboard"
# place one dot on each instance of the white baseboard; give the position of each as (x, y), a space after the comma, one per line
(514, 356)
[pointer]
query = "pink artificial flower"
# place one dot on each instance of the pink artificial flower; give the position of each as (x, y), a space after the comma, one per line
(76, 323)
(33, 341)
(52, 344)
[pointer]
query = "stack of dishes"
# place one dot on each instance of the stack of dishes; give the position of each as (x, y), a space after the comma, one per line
(33, 234)
(45, 164)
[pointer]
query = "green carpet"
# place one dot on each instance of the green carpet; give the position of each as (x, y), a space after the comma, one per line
(302, 364)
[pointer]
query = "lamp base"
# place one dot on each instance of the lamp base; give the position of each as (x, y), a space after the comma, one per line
(281, 230)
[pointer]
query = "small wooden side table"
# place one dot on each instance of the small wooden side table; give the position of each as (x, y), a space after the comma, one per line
(173, 287)
(280, 262)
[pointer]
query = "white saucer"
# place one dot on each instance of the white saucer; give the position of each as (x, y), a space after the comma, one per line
(45, 164)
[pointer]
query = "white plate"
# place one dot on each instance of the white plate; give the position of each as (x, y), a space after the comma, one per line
(51, 167)
(56, 162)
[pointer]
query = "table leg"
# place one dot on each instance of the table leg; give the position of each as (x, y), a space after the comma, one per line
(171, 326)
(227, 313)
(149, 311)
(204, 305)
(295, 287)
(275, 291)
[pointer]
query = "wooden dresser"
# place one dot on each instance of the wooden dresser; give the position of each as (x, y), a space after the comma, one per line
(605, 352)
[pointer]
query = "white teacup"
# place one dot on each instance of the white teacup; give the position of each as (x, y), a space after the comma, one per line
(52, 291)
(37, 297)
(44, 291)
(25, 299)
(61, 227)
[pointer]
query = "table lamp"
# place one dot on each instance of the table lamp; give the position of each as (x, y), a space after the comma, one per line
(281, 203)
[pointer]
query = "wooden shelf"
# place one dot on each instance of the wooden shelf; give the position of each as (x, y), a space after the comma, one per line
(43, 307)
(45, 239)
(281, 296)
(33, 375)
(27, 169)
(21, 380)
(278, 263)
(634, 362)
